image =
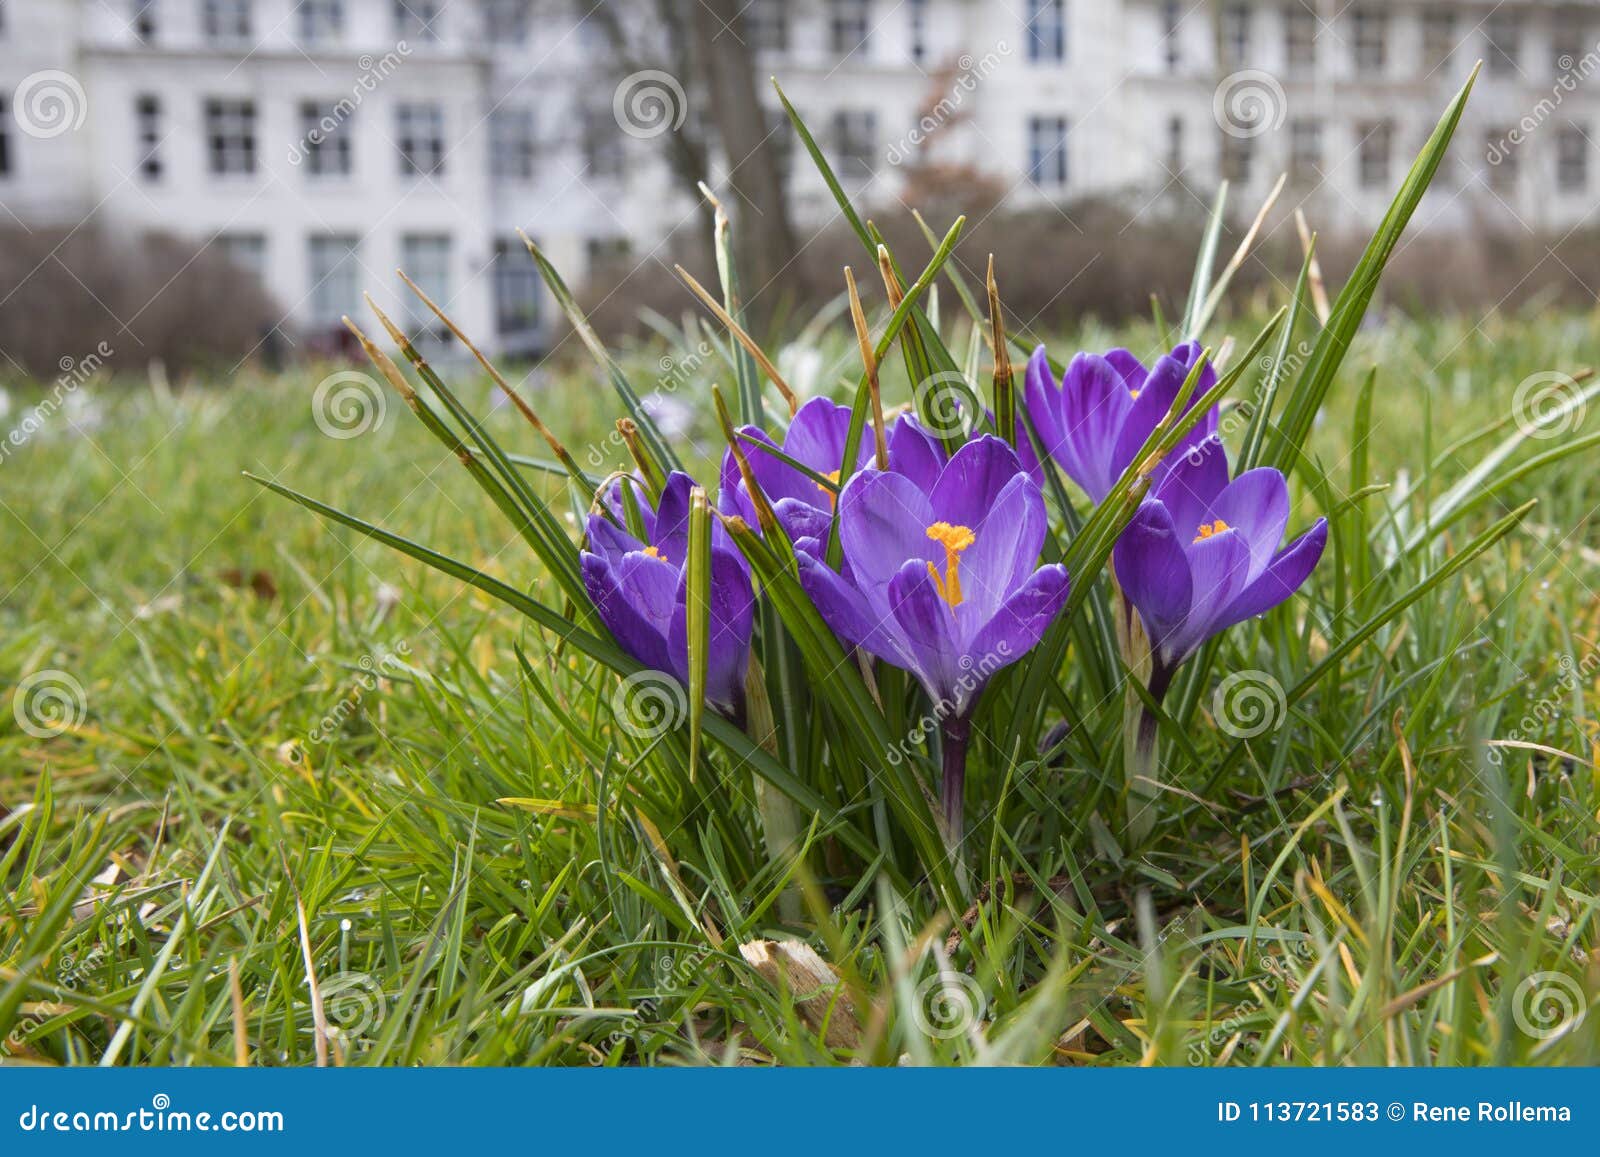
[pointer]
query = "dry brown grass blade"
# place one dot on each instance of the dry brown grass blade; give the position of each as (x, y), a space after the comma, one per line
(752, 347)
(1319, 288)
(869, 359)
(517, 400)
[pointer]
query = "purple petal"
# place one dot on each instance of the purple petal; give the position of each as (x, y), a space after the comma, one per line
(1219, 568)
(1129, 368)
(1284, 575)
(1256, 504)
(639, 635)
(1153, 571)
(1005, 549)
(1042, 397)
(817, 435)
(848, 613)
(732, 606)
(671, 535)
(973, 479)
(1156, 399)
(914, 452)
(1022, 621)
(609, 540)
(1095, 406)
(927, 629)
(1191, 486)
(883, 521)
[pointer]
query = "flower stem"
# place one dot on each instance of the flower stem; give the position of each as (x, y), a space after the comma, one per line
(957, 730)
(1141, 745)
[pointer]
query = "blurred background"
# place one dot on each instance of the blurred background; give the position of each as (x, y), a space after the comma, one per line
(206, 184)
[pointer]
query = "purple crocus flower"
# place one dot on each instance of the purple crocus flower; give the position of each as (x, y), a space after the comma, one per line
(943, 580)
(639, 588)
(816, 439)
(1106, 407)
(1201, 554)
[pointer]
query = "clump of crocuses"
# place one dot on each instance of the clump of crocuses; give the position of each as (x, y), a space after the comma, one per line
(942, 579)
(639, 587)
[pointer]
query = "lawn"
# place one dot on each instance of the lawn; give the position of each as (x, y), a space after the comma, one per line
(248, 748)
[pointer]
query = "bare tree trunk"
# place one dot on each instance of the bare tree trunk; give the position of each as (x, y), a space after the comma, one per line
(764, 235)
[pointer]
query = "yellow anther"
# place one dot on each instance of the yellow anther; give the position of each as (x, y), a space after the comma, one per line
(954, 539)
(1208, 529)
(831, 491)
(653, 552)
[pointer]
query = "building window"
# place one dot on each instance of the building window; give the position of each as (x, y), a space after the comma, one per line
(1047, 152)
(516, 289)
(1369, 33)
(1300, 35)
(608, 255)
(144, 21)
(1572, 159)
(1504, 33)
(1305, 151)
(506, 21)
(766, 26)
(246, 252)
(225, 20)
(1047, 30)
(1502, 157)
(334, 291)
(603, 156)
(1570, 41)
(917, 15)
(1235, 34)
(1238, 155)
(849, 26)
(1171, 46)
(1438, 38)
(511, 143)
(1377, 138)
(418, 21)
(425, 258)
(231, 136)
(5, 137)
(326, 139)
(321, 21)
(855, 142)
(420, 133)
(147, 119)
(1174, 145)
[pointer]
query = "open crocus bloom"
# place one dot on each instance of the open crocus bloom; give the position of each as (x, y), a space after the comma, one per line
(639, 588)
(943, 575)
(1202, 552)
(1106, 407)
(815, 438)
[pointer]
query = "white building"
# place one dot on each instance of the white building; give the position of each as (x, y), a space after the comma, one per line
(325, 142)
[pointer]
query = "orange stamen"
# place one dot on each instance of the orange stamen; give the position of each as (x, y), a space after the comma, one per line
(1208, 529)
(954, 539)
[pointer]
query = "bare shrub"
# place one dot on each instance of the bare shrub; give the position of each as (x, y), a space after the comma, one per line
(146, 297)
